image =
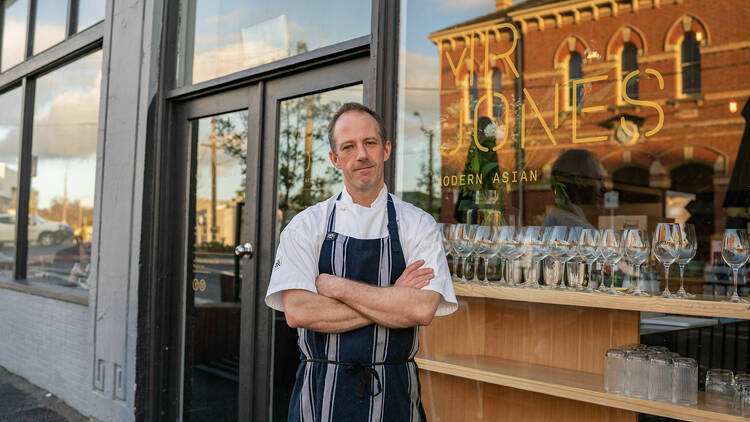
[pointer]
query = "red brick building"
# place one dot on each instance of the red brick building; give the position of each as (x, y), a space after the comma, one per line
(693, 63)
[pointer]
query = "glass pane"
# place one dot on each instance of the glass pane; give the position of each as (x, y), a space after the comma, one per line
(225, 36)
(10, 123)
(620, 117)
(61, 205)
(49, 26)
(14, 32)
(305, 177)
(213, 307)
(90, 12)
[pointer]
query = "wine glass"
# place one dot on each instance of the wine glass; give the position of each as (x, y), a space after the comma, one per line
(535, 241)
(588, 248)
(611, 250)
(688, 247)
(445, 230)
(735, 249)
(666, 248)
(465, 246)
(484, 241)
(510, 243)
(562, 244)
(637, 247)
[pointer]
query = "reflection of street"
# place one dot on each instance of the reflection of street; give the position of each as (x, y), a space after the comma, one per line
(208, 266)
(65, 264)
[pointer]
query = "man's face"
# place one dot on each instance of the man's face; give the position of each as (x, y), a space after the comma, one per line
(359, 152)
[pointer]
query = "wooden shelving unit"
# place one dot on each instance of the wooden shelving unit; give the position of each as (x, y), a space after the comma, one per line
(699, 306)
(567, 384)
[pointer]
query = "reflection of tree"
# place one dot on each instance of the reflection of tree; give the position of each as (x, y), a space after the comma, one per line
(234, 143)
(303, 145)
(426, 179)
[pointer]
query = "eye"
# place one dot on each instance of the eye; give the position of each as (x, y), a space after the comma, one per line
(346, 147)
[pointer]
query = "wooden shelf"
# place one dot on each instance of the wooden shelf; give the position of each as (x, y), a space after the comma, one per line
(699, 306)
(574, 385)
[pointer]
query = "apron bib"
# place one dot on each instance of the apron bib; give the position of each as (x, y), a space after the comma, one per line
(367, 374)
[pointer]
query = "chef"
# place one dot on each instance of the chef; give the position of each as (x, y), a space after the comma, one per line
(357, 275)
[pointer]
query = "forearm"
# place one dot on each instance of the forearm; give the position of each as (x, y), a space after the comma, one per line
(319, 313)
(393, 306)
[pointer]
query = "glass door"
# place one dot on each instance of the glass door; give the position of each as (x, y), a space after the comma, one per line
(296, 173)
(217, 130)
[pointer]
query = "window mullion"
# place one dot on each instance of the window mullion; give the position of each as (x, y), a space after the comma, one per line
(72, 19)
(24, 179)
(31, 19)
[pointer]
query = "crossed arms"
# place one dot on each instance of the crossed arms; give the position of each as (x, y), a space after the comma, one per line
(343, 305)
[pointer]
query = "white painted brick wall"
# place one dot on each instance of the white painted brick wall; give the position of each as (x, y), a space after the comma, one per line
(46, 341)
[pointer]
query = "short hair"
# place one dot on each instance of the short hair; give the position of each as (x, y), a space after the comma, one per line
(347, 107)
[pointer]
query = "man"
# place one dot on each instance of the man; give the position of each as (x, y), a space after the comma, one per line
(342, 279)
(576, 181)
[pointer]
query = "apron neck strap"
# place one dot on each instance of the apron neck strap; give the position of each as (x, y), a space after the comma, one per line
(392, 223)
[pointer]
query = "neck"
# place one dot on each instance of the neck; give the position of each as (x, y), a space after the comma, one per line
(364, 198)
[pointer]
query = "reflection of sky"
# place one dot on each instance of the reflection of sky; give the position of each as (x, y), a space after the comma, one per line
(228, 168)
(66, 115)
(321, 147)
(14, 32)
(10, 119)
(90, 12)
(50, 23)
(219, 24)
(418, 84)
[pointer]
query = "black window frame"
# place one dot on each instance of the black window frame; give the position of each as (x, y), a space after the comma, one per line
(74, 46)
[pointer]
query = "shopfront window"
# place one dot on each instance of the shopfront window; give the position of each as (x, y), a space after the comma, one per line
(61, 204)
(10, 123)
(90, 12)
(15, 20)
(621, 115)
(49, 23)
(226, 36)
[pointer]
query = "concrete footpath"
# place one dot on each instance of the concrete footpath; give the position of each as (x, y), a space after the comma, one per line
(21, 400)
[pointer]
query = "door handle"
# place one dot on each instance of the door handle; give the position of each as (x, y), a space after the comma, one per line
(246, 250)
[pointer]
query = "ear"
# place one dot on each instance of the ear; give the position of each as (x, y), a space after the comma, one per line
(387, 148)
(334, 159)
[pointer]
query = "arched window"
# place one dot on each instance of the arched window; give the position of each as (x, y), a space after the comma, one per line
(473, 93)
(691, 64)
(497, 86)
(629, 64)
(575, 71)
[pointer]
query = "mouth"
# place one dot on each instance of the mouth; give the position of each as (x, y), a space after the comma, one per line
(364, 168)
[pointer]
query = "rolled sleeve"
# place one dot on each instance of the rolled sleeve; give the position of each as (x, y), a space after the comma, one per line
(426, 243)
(295, 267)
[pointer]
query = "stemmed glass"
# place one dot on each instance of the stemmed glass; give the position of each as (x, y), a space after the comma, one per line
(510, 243)
(666, 248)
(688, 247)
(611, 250)
(535, 240)
(735, 249)
(464, 246)
(588, 248)
(484, 241)
(637, 247)
(563, 242)
(447, 236)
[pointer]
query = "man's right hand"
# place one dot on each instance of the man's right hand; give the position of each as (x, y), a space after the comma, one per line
(416, 277)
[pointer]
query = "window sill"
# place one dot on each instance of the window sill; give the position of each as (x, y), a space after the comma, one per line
(690, 98)
(36, 291)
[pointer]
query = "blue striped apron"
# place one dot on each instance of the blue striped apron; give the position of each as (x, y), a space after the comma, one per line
(367, 374)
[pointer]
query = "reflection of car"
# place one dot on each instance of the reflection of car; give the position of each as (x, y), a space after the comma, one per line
(40, 230)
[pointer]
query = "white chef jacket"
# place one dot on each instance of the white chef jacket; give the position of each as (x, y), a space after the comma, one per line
(296, 264)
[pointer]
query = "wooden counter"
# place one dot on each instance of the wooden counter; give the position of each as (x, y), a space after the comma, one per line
(513, 354)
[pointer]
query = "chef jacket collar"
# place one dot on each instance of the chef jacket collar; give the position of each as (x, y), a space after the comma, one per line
(380, 201)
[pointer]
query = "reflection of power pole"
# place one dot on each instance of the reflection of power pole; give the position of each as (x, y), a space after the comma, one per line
(430, 134)
(65, 196)
(214, 229)
(309, 128)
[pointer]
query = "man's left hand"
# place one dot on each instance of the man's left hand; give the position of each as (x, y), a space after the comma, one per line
(328, 284)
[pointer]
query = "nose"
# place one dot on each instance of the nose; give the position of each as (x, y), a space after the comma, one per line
(361, 152)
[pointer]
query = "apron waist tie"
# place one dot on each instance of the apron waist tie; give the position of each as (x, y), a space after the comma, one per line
(366, 371)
